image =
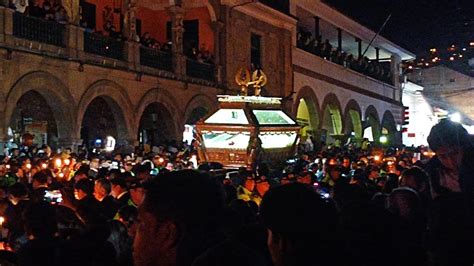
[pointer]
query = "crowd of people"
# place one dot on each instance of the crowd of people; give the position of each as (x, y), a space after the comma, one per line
(201, 55)
(148, 41)
(48, 11)
(332, 206)
(324, 49)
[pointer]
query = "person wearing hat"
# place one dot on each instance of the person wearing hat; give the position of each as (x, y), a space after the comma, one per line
(137, 194)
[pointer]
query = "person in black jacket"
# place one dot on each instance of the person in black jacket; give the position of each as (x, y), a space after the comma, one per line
(102, 189)
(120, 191)
(451, 173)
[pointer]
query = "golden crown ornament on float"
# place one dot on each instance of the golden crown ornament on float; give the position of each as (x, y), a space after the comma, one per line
(258, 79)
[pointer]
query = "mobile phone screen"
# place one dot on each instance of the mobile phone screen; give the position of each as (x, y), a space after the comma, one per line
(53, 196)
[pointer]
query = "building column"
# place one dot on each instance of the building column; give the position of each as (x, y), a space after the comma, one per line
(339, 39)
(317, 29)
(3, 141)
(129, 29)
(359, 47)
(395, 69)
(218, 27)
(73, 11)
(177, 29)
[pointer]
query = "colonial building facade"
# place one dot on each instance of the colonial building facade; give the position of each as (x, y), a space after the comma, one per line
(73, 83)
(344, 87)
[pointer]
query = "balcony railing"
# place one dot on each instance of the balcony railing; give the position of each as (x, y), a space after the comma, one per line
(36, 29)
(156, 58)
(105, 46)
(377, 70)
(200, 70)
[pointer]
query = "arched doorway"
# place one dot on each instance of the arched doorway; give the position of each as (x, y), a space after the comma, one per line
(307, 116)
(196, 114)
(33, 115)
(353, 122)
(103, 118)
(332, 126)
(389, 128)
(353, 125)
(41, 96)
(156, 125)
(372, 128)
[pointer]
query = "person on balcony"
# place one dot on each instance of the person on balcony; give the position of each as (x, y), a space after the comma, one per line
(147, 41)
(20, 5)
(317, 47)
(86, 27)
(327, 48)
(113, 33)
(48, 11)
(61, 16)
(34, 10)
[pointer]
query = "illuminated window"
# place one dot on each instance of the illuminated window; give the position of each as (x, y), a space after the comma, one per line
(272, 117)
(228, 116)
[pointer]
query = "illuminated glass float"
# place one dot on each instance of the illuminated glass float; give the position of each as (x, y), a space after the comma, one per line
(246, 130)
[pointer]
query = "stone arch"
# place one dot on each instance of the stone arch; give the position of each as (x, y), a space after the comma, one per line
(331, 112)
(212, 11)
(209, 4)
(307, 112)
(167, 100)
(117, 100)
(56, 95)
(372, 120)
(353, 119)
(199, 100)
(388, 124)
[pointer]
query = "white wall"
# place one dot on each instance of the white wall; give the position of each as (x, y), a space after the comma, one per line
(421, 115)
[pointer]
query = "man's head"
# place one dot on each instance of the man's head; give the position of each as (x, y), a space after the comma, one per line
(40, 179)
(17, 192)
(83, 188)
(299, 222)
(415, 178)
(137, 193)
(119, 185)
(179, 207)
(81, 174)
(249, 183)
(102, 188)
(448, 139)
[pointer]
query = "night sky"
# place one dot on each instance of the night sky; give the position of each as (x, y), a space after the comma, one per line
(416, 25)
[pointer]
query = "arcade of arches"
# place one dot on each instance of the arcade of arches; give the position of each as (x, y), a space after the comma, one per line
(104, 110)
(331, 126)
